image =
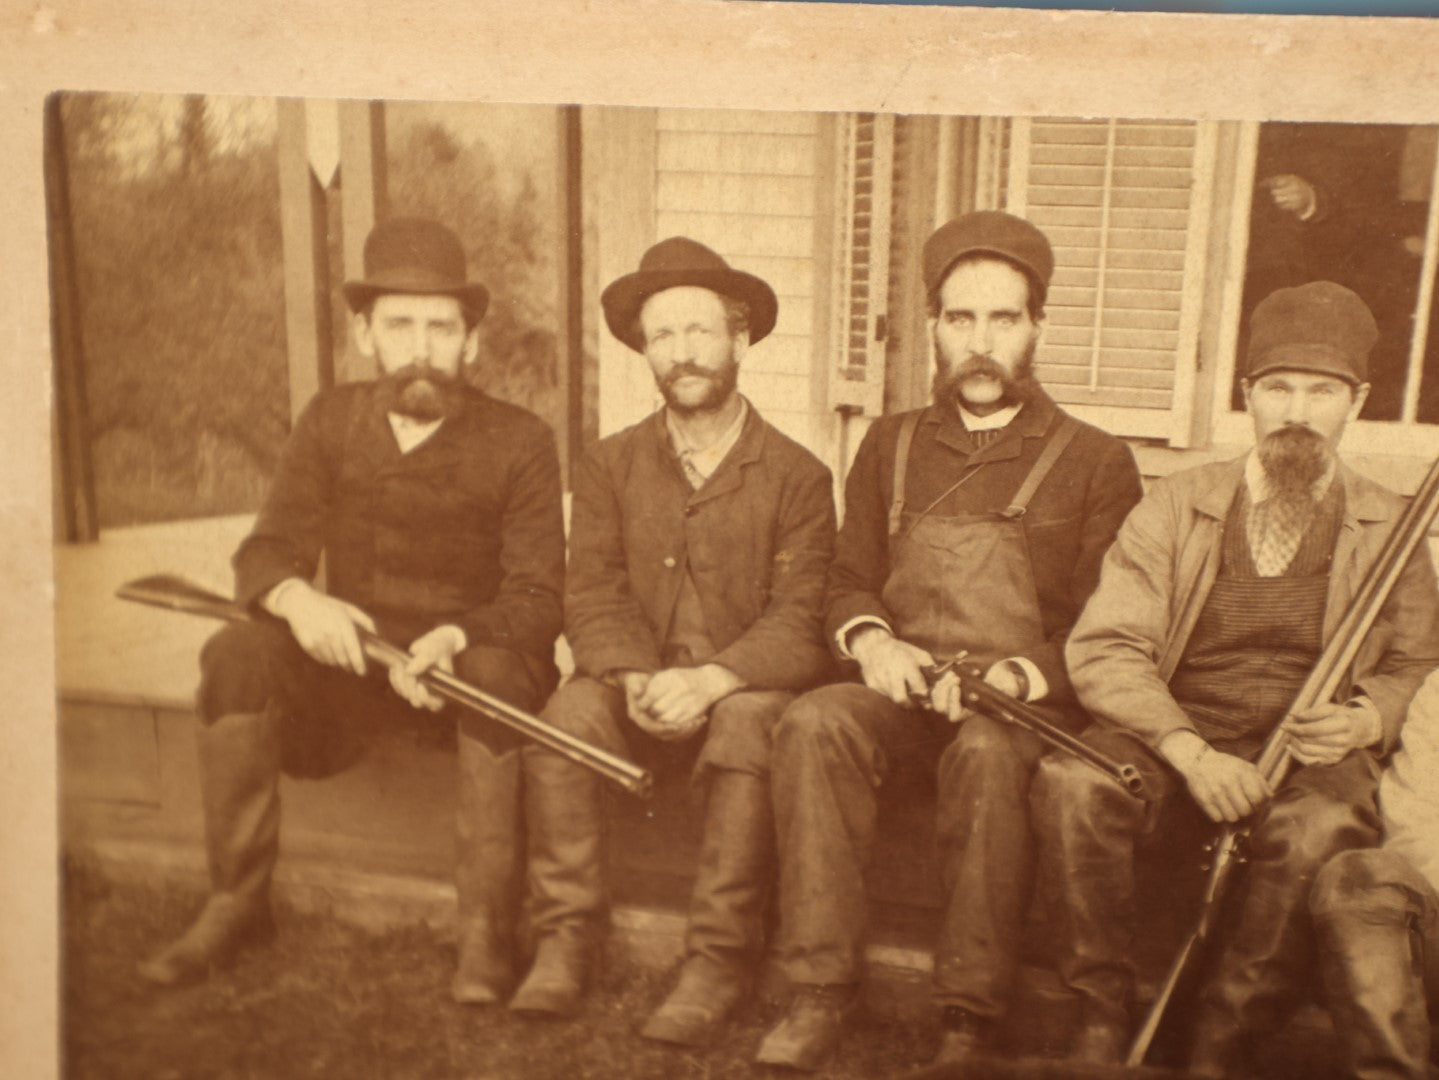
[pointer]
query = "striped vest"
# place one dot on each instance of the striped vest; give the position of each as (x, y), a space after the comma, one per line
(1257, 638)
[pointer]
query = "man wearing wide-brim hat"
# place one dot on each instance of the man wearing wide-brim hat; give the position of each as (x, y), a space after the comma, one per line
(975, 526)
(699, 542)
(436, 509)
(1217, 599)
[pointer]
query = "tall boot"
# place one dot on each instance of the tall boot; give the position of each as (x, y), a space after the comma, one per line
(240, 791)
(486, 871)
(564, 819)
(1369, 907)
(725, 932)
(1375, 992)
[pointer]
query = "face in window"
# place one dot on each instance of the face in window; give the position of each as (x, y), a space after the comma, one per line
(984, 336)
(1322, 403)
(694, 357)
(422, 346)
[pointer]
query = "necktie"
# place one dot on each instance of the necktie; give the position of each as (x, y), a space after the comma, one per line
(692, 474)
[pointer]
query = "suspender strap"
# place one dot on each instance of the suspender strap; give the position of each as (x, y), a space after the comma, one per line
(901, 466)
(1068, 428)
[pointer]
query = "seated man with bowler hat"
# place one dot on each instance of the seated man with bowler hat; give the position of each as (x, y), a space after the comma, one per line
(1216, 601)
(437, 511)
(975, 525)
(699, 543)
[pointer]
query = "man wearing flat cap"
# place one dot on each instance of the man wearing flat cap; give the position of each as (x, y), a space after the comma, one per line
(975, 525)
(437, 512)
(698, 548)
(1213, 606)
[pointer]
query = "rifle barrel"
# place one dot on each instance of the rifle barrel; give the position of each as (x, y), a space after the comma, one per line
(173, 593)
(979, 694)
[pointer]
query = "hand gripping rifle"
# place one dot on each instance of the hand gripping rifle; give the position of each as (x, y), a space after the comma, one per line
(1274, 760)
(176, 594)
(978, 694)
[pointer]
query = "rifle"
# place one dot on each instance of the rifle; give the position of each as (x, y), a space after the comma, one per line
(174, 593)
(1274, 761)
(978, 694)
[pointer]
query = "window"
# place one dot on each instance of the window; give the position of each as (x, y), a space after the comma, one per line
(1354, 204)
(1126, 204)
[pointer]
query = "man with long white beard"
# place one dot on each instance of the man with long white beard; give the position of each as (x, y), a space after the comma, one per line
(975, 525)
(1214, 604)
(437, 511)
(698, 547)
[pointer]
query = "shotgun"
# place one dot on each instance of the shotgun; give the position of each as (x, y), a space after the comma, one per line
(174, 593)
(1274, 760)
(978, 694)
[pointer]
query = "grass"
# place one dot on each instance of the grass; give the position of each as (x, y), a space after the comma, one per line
(329, 1000)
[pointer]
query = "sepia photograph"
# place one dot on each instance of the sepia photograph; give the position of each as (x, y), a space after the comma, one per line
(920, 564)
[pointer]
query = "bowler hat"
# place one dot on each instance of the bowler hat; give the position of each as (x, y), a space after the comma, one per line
(415, 256)
(682, 261)
(989, 232)
(1320, 327)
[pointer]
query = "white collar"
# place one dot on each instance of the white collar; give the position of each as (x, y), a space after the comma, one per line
(993, 422)
(409, 432)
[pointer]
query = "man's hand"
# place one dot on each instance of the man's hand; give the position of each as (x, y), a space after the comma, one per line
(436, 649)
(676, 701)
(325, 626)
(1227, 788)
(1293, 194)
(1324, 734)
(945, 697)
(892, 667)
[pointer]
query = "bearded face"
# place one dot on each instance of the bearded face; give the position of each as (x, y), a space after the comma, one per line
(1017, 384)
(1294, 458)
(689, 388)
(421, 393)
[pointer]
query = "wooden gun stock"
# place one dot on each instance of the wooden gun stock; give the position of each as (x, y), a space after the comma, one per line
(176, 594)
(1274, 760)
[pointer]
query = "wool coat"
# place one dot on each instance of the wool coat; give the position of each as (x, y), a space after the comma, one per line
(756, 538)
(1071, 520)
(1157, 576)
(465, 529)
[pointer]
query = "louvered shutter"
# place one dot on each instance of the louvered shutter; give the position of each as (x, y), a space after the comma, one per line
(857, 379)
(1126, 205)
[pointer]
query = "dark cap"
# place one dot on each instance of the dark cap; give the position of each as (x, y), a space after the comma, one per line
(682, 261)
(1320, 327)
(419, 257)
(989, 232)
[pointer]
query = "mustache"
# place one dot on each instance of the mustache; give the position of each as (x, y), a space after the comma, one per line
(684, 368)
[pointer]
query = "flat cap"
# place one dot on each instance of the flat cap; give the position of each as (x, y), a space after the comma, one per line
(1320, 327)
(989, 232)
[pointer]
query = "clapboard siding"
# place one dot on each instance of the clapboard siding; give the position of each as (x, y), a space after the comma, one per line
(744, 183)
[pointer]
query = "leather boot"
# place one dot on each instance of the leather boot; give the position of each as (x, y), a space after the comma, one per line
(1374, 987)
(963, 1035)
(239, 787)
(564, 817)
(486, 872)
(811, 1027)
(725, 932)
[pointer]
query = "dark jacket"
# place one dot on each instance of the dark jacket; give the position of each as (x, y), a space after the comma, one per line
(466, 528)
(1071, 520)
(757, 538)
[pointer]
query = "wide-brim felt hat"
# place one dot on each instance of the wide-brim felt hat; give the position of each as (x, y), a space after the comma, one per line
(1321, 327)
(416, 256)
(681, 261)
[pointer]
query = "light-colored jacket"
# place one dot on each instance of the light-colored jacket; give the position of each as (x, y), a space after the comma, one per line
(1409, 790)
(1155, 580)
